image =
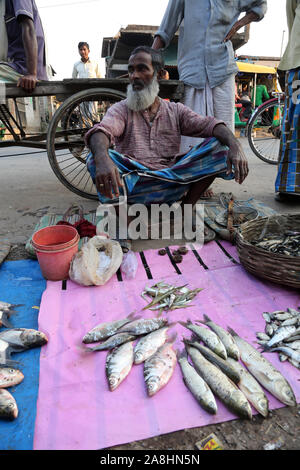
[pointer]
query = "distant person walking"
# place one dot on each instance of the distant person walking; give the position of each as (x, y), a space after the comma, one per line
(85, 67)
(287, 184)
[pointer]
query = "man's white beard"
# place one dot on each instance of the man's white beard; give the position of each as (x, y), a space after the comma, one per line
(142, 99)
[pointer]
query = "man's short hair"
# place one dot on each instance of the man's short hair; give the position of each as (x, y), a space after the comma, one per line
(157, 57)
(81, 44)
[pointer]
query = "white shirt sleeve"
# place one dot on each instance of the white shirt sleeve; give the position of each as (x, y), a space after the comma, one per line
(75, 72)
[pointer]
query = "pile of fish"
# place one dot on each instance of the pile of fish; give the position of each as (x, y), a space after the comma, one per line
(166, 297)
(13, 340)
(282, 334)
(230, 368)
(153, 349)
(287, 243)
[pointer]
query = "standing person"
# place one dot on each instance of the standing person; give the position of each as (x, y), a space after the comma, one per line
(206, 62)
(287, 183)
(85, 67)
(26, 50)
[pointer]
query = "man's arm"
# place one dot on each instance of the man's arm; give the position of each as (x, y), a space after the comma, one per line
(28, 81)
(170, 23)
(255, 11)
(107, 174)
(236, 157)
(75, 72)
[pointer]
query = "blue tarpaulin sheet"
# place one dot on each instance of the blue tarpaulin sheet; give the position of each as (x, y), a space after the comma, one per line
(21, 282)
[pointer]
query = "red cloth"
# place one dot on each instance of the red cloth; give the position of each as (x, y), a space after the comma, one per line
(83, 227)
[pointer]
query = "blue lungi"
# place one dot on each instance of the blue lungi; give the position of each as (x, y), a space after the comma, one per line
(145, 186)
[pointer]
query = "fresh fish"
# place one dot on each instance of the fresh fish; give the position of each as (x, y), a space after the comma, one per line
(282, 357)
(159, 368)
(24, 338)
(143, 325)
(208, 337)
(5, 354)
(4, 316)
(290, 321)
(283, 316)
(197, 386)
(293, 354)
(293, 311)
(220, 384)
(262, 336)
(264, 372)
(294, 344)
(281, 334)
(149, 344)
(10, 377)
(225, 337)
(291, 339)
(267, 317)
(269, 329)
(251, 388)
(6, 307)
(119, 362)
(105, 330)
(113, 342)
(8, 405)
(216, 360)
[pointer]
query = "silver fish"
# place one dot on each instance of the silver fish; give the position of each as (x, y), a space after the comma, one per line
(197, 386)
(5, 354)
(4, 319)
(216, 360)
(24, 338)
(262, 336)
(290, 321)
(119, 362)
(113, 342)
(293, 344)
(225, 337)
(220, 384)
(267, 317)
(8, 405)
(143, 325)
(264, 372)
(208, 337)
(269, 329)
(10, 377)
(149, 344)
(293, 354)
(159, 368)
(281, 334)
(106, 329)
(251, 388)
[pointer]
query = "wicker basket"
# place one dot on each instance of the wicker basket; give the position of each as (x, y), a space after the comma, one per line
(282, 269)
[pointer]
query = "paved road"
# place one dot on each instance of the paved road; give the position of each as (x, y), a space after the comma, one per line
(29, 189)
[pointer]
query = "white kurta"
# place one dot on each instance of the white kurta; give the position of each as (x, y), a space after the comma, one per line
(89, 69)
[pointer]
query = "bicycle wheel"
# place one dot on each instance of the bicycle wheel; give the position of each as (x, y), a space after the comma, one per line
(66, 149)
(264, 131)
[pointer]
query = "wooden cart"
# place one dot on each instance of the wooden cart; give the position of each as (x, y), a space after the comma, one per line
(82, 103)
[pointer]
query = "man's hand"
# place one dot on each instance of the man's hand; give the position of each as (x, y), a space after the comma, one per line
(108, 178)
(247, 19)
(236, 158)
(28, 82)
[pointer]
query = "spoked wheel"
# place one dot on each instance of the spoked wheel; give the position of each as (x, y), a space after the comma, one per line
(66, 149)
(264, 131)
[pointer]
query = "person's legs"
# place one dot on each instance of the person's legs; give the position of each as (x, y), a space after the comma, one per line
(223, 102)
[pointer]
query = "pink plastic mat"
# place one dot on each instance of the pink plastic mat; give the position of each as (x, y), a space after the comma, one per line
(75, 409)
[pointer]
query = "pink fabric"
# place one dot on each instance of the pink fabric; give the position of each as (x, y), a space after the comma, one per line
(75, 409)
(154, 146)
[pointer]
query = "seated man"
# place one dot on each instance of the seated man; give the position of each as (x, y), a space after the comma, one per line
(146, 131)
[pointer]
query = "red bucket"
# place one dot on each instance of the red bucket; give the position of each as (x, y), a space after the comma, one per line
(55, 247)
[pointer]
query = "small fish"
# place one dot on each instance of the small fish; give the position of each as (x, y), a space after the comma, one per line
(267, 317)
(105, 330)
(264, 372)
(269, 330)
(251, 388)
(262, 336)
(220, 384)
(10, 377)
(113, 342)
(281, 334)
(290, 321)
(291, 339)
(282, 357)
(293, 354)
(283, 316)
(24, 338)
(216, 360)
(197, 386)
(4, 316)
(225, 337)
(143, 326)
(119, 362)
(149, 344)
(8, 405)
(159, 368)
(208, 337)
(294, 344)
